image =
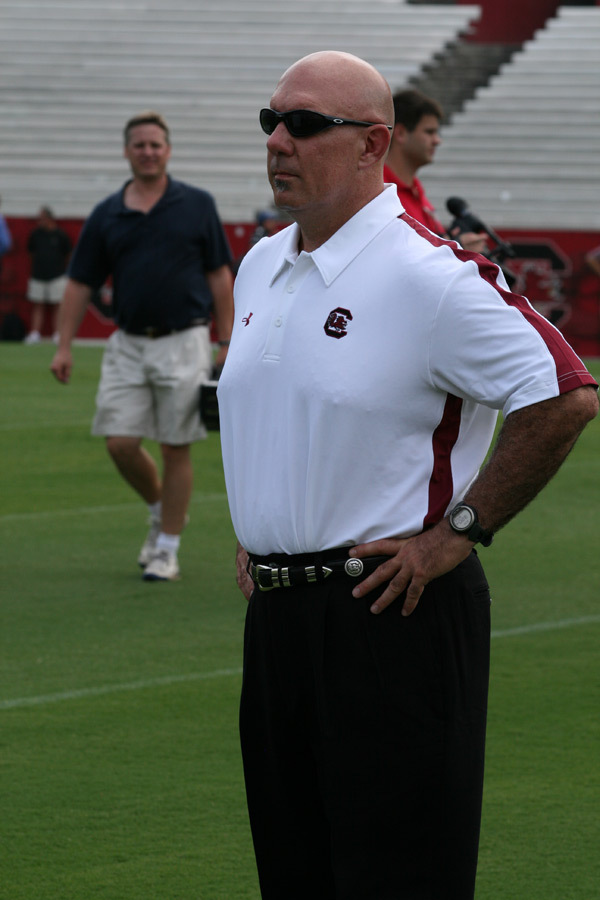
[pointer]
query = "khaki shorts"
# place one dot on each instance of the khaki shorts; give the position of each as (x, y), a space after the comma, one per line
(150, 388)
(46, 291)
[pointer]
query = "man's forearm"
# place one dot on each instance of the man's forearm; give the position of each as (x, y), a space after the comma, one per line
(221, 285)
(71, 313)
(532, 444)
(593, 262)
(72, 310)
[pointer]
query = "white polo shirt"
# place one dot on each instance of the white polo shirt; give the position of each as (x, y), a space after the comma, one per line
(363, 381)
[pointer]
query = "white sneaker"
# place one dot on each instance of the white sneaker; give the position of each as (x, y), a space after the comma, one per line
(34, 337)
(162, 567)
(149, 545)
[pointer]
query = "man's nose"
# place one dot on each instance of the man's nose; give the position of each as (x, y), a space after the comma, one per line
(280, 141)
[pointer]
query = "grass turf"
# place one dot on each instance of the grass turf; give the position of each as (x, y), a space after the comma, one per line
(120, 774)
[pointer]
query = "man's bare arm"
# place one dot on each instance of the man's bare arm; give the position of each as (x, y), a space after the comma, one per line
(220, 282)
(593, 261)
(72, 310)
(245, 583)
(532, 444)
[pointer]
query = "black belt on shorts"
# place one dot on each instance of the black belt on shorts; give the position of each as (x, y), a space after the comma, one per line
(280, 571)
(153, 331)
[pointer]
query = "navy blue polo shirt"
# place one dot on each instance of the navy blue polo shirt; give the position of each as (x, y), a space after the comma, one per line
(157, 259)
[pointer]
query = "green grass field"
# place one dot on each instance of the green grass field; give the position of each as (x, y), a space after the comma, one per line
(120, 773)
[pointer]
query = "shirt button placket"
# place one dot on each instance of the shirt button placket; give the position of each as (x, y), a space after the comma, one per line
(277, 330)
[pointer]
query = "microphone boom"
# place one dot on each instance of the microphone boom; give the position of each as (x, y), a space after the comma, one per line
(464, 220)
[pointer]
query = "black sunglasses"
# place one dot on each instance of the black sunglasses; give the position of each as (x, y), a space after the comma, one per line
(304, 122)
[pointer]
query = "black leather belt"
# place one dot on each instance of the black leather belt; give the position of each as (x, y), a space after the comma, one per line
(153, 331)
(279, 571)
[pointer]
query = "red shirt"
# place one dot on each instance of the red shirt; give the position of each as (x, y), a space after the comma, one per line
(415, 202)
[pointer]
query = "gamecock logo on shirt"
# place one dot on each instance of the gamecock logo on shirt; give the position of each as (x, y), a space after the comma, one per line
(336, 325)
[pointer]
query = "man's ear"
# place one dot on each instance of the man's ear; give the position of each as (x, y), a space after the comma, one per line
(376, 146)
(399, 133)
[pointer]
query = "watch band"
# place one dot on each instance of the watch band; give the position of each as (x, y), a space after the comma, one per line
(479, 535)
(471, 527)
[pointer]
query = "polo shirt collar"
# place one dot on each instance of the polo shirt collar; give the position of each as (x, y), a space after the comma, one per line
(173, 192)
(332, 257)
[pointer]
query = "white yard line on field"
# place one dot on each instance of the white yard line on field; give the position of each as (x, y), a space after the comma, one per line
(198, 497)
(545, 626)
(117, 688)
(44, 699)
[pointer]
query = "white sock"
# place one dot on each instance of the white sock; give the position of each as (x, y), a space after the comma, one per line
(155, 509)
(168, 542)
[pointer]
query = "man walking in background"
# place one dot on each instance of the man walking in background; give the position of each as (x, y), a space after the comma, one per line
(164, 246)
(369, 358)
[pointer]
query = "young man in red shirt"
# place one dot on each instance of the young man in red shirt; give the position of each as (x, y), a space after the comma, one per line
(415, 138)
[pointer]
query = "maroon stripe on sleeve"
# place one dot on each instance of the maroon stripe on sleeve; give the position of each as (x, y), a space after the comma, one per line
(441, 485)
(570, 371)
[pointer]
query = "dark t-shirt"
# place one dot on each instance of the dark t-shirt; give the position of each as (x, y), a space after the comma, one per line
(49, 250)
(157, 259)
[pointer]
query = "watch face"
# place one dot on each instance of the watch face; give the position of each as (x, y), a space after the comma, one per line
(462, 518)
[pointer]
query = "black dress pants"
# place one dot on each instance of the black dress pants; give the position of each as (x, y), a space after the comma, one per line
(363, 740)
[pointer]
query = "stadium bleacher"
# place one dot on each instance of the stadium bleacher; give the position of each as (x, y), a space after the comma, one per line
(73, 71)
(525, 152)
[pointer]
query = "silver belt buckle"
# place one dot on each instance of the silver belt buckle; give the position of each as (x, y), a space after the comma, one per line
(257, 571)
(280, 577)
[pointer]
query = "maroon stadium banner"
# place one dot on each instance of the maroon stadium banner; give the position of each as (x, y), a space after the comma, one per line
(549, 268)
(97, 324)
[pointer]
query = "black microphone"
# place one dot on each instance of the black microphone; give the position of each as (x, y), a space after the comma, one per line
(464, 220)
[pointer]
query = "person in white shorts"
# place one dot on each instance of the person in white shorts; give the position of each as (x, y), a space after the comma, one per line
(49, 247)
(165, 248)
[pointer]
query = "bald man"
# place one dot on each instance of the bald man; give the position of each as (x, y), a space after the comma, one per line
(367, 364)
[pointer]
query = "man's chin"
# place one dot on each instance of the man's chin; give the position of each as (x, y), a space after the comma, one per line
(282, 196)
(280, 186)
(149, 174)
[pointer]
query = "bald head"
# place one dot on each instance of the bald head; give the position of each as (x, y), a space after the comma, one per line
(323, 179)
(341, 84)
